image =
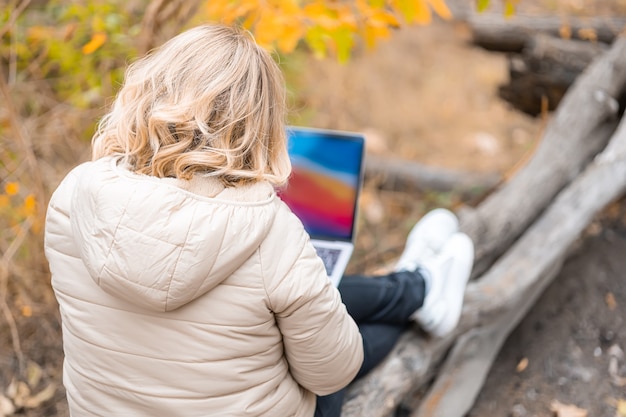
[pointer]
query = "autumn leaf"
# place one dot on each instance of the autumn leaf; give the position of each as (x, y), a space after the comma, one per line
(12, 188)
(414, 11)
(30, 205)
(610, 301)
(39, 33)
(290, 37)
(97, 40)
(324, 24)
(588, 34)
(565, 31)
(371, 32)
(422, 13)
(315, 39)
(343, 42)
(481, 5)
(27, 311)
(440, 7)
(566, 410)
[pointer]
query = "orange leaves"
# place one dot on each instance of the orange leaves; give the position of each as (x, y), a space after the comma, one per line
(16, 208)
(11, 188)
(230, 11)
(567, 410)
(331, 26)
(97, 40)
(376, 22)
(324, 25)
(509, 7)
(39, 33)
(440, 8)
(419, 11)
(279, 23)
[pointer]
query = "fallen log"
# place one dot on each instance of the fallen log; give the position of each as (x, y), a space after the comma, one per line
(520, 277)
(495, 32)
(580, 129)
(397, 174)
(541, 74)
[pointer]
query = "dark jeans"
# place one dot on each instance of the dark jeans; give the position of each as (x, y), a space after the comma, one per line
(381, 307)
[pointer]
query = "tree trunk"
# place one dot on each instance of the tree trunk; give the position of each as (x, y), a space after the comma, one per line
(397, 174)
(519, 279)
(579, 130)
(497, 33)
(546, 68)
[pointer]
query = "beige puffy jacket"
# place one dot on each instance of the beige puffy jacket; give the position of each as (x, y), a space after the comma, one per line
(185, 298)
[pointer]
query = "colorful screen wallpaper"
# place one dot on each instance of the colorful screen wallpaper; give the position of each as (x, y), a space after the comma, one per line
(324, 184)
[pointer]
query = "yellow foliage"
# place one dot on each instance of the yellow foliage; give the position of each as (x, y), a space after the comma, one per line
(15, 210)
(30, 205)
(588, 34)
(97, 40)
(565, 31)
(12, 188)
(441, 8)
(39, 33)
(509, 7)
(323, 24)
(27, 311)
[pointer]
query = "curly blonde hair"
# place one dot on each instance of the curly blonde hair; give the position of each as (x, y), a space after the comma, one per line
(209, 101)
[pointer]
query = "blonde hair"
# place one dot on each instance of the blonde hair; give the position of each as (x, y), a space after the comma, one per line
(208, 101)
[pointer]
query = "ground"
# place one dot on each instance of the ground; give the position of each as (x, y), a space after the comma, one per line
(427, 95)
(570, 347)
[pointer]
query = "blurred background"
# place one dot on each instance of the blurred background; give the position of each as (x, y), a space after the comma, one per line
(426, 94)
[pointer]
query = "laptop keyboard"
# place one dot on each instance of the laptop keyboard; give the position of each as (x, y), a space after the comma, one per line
(329, 256)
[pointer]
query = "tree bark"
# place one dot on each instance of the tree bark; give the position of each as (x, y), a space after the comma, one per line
(544, 71)
(396, 174)
(163, 19)
(497, 33)
(579, 129)
(519, 279)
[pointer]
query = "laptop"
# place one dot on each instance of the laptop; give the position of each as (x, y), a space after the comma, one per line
(323, 191)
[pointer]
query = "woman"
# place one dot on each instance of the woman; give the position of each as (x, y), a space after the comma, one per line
(185, 285)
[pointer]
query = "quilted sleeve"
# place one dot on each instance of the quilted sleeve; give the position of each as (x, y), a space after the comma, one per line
(322, 342)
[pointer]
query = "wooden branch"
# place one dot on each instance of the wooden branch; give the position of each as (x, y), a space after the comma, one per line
(506, 293)
(497, 33)
(571, 140)
(163, 19)
(577, 131)
(545, 70)
(395, 174)
(463, 374)
(575, 55)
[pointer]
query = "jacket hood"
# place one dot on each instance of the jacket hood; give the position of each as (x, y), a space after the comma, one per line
(160, 243)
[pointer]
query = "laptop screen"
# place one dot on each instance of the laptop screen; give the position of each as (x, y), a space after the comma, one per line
(324, 186)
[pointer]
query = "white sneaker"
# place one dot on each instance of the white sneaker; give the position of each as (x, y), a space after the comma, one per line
(450, 271)
(427, 238)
